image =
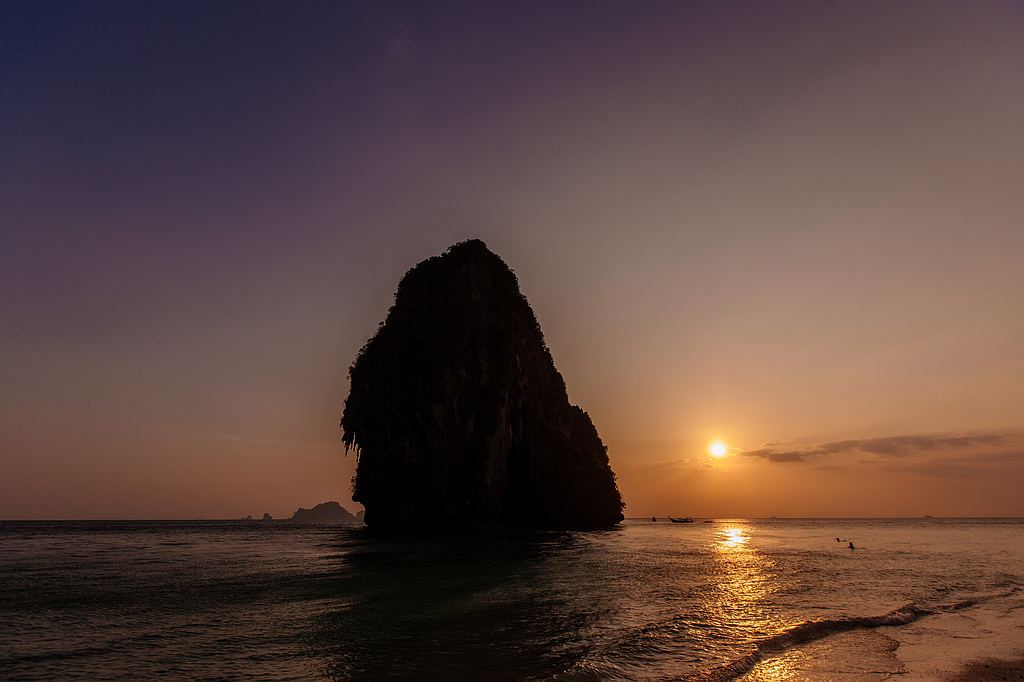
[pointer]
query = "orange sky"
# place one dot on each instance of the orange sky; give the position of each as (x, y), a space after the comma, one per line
(784, 229)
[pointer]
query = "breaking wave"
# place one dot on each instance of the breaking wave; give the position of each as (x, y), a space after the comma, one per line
(811, 631)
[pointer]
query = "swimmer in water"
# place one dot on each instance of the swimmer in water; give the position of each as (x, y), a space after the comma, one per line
(851, 546)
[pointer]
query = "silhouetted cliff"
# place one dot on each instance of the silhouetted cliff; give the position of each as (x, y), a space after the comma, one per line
(325, 512)
(458, 415)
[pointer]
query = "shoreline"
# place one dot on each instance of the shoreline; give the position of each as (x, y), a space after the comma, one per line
(984, 643)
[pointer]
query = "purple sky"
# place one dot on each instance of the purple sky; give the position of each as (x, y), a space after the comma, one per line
(782, 225)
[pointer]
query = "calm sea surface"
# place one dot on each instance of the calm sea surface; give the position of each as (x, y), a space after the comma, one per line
(641, 601)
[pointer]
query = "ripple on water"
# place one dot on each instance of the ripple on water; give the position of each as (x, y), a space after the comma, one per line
(647, 601)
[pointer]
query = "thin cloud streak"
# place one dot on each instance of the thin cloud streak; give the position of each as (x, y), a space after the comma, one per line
(894, 446)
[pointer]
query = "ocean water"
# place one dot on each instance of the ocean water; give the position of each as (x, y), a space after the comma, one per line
(729, 599)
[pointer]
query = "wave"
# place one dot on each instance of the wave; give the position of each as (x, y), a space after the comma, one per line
(805, 633)
(811, 631)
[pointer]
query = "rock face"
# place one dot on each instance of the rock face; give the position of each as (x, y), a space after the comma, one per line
(325, 512)
(458, 415)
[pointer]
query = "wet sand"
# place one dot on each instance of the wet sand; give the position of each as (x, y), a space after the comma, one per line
(983, 644)
(959, 646)
(990, 670)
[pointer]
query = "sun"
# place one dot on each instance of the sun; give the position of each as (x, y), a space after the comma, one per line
(718, 449)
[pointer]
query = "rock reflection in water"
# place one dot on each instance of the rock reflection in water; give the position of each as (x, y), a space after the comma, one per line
(491, 602)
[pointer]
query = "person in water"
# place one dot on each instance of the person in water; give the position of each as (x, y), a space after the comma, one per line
(851, 546)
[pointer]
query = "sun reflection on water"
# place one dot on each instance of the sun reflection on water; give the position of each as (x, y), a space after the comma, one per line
(744, 582)
(733, 537)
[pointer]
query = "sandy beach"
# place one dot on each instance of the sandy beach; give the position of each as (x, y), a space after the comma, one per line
(990, 670)
(979, 644)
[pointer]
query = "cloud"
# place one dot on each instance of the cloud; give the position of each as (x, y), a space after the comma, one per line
(776, 455)
(893, 446)
(960, 466)
(899, 445)
(828, 467)
(670, 464)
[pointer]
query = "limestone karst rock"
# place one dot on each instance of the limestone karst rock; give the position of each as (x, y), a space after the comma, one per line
(458, 415)
(325, 512)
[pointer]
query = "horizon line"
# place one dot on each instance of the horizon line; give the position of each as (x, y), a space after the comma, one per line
(628, 518)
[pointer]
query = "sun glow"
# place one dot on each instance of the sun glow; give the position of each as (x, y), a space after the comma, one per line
(718, 449)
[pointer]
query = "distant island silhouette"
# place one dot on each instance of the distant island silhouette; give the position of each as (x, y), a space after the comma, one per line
(325, 512)
(458, 415)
